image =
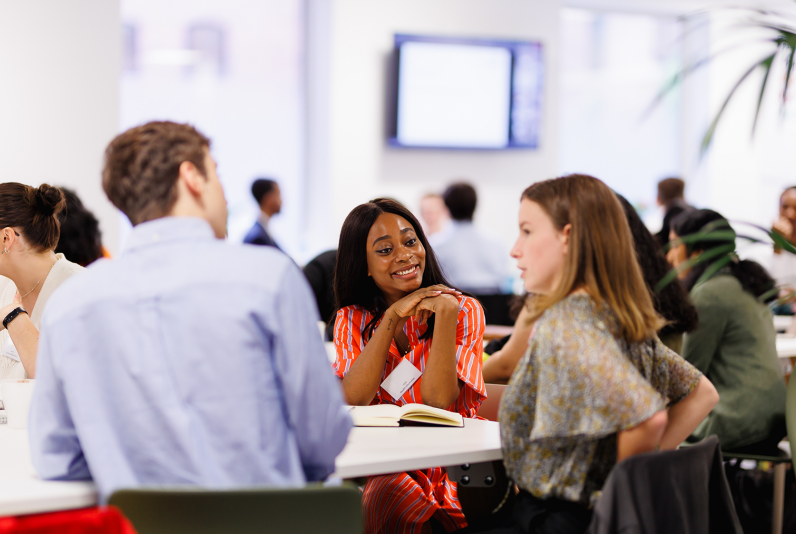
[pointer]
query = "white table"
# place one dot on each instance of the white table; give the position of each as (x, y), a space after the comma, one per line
(782, 322)
(786, 347)
(369, 451)
(376, 451)
(22, 492)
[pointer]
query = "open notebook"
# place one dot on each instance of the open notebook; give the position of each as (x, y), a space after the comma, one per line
(408, 414)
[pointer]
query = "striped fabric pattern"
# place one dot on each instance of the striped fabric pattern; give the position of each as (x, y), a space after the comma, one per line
(402, 502)
(349, 342)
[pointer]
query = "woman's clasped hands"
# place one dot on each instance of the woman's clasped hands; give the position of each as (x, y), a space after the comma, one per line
(426, 301)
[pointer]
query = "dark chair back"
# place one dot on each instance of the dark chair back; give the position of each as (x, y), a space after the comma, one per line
(497, 308)
(683, 491)
(246, 511)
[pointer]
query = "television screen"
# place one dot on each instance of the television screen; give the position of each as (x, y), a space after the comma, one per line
(467, 93)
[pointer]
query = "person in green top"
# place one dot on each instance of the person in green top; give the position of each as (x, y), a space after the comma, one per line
(735, 343)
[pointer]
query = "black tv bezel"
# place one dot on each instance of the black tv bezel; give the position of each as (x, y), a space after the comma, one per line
(392, 122)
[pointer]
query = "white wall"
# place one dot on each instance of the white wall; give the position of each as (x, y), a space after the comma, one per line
(360, 164)
(59, 92)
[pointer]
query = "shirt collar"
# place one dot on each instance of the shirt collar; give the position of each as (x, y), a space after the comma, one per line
(168, 229)
(263, 220)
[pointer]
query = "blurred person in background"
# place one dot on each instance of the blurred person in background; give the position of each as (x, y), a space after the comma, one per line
(472, 261)
(266, 192)
(671, 197)
(320, 275)
(434, 214)
(735, 343)
(81, 239)
(672, 301)
(30, 271)
(782, 264)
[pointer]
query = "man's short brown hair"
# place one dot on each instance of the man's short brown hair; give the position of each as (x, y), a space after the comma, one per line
(142, 166)
(670, 189)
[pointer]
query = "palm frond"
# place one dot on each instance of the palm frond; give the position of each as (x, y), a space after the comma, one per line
(706, 140)
(767, 68)
(691, 262)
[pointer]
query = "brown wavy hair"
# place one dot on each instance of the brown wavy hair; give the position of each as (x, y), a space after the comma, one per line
(142, 166)
(601, 258)
(34, 210)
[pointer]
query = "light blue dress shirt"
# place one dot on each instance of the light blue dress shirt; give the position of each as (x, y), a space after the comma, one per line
(186, 360)
(471, 260)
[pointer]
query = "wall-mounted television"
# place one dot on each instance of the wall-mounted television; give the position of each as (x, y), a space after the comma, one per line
(466, 93)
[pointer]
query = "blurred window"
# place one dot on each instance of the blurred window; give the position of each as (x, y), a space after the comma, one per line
(612, 67)
(235, 70)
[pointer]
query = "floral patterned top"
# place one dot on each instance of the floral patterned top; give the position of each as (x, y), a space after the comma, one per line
(579, 384)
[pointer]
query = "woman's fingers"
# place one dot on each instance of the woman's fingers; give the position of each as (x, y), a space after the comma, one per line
(444, 289)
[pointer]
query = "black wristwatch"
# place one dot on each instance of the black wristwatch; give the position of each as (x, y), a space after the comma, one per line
(13, 315)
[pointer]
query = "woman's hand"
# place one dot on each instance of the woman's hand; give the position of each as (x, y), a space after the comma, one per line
(407, 306)
(783, 226)
(443, 302)
(5, 310)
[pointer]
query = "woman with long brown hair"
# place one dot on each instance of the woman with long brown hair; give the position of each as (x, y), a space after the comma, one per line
(30, 270)
(596, 385)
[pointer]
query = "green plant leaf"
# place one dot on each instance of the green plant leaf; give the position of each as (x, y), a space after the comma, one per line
(714, 268)
(767, 67)
(791, 44)
(691, 262)
(706, 140)
(779, 240)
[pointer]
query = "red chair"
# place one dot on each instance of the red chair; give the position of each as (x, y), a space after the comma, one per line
(96, 520)
(489, 408)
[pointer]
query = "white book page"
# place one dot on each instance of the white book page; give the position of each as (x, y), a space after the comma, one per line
(424, 409)
(378, 410)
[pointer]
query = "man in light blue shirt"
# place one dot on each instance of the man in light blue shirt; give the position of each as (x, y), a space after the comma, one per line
(471, 261)
(186, 360)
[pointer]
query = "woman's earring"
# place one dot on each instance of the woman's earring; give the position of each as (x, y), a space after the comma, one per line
(4, 251)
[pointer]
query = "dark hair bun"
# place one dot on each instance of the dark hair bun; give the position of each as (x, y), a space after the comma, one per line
(49, 200)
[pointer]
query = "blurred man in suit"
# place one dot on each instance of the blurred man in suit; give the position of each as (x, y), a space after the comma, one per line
(266, 193)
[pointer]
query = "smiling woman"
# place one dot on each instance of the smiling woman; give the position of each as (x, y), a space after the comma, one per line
(392, 300)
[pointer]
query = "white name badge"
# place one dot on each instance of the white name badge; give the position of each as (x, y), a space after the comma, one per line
(401, 379)
(9, 350)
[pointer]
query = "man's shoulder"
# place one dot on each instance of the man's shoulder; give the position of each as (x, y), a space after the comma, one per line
(255, 233)
(214, 262)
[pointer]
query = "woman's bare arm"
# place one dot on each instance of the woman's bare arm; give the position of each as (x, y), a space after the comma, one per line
(688, 413)
(645, 437)
(24, 335)
(498, 367)
(440, 385)
(362, 381)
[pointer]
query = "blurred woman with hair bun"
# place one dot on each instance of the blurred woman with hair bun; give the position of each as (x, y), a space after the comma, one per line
(30, 271)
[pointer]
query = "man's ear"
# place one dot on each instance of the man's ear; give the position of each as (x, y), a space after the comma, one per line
(192, 178)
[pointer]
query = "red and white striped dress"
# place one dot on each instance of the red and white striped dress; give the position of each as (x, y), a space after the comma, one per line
(402, 502)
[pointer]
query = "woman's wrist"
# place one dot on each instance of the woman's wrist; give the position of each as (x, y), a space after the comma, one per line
(390, 319)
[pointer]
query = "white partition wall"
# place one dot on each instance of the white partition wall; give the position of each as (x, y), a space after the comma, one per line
(354, 114)
(59, 93)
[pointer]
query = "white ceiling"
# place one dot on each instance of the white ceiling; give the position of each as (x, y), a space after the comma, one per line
(675, 7)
